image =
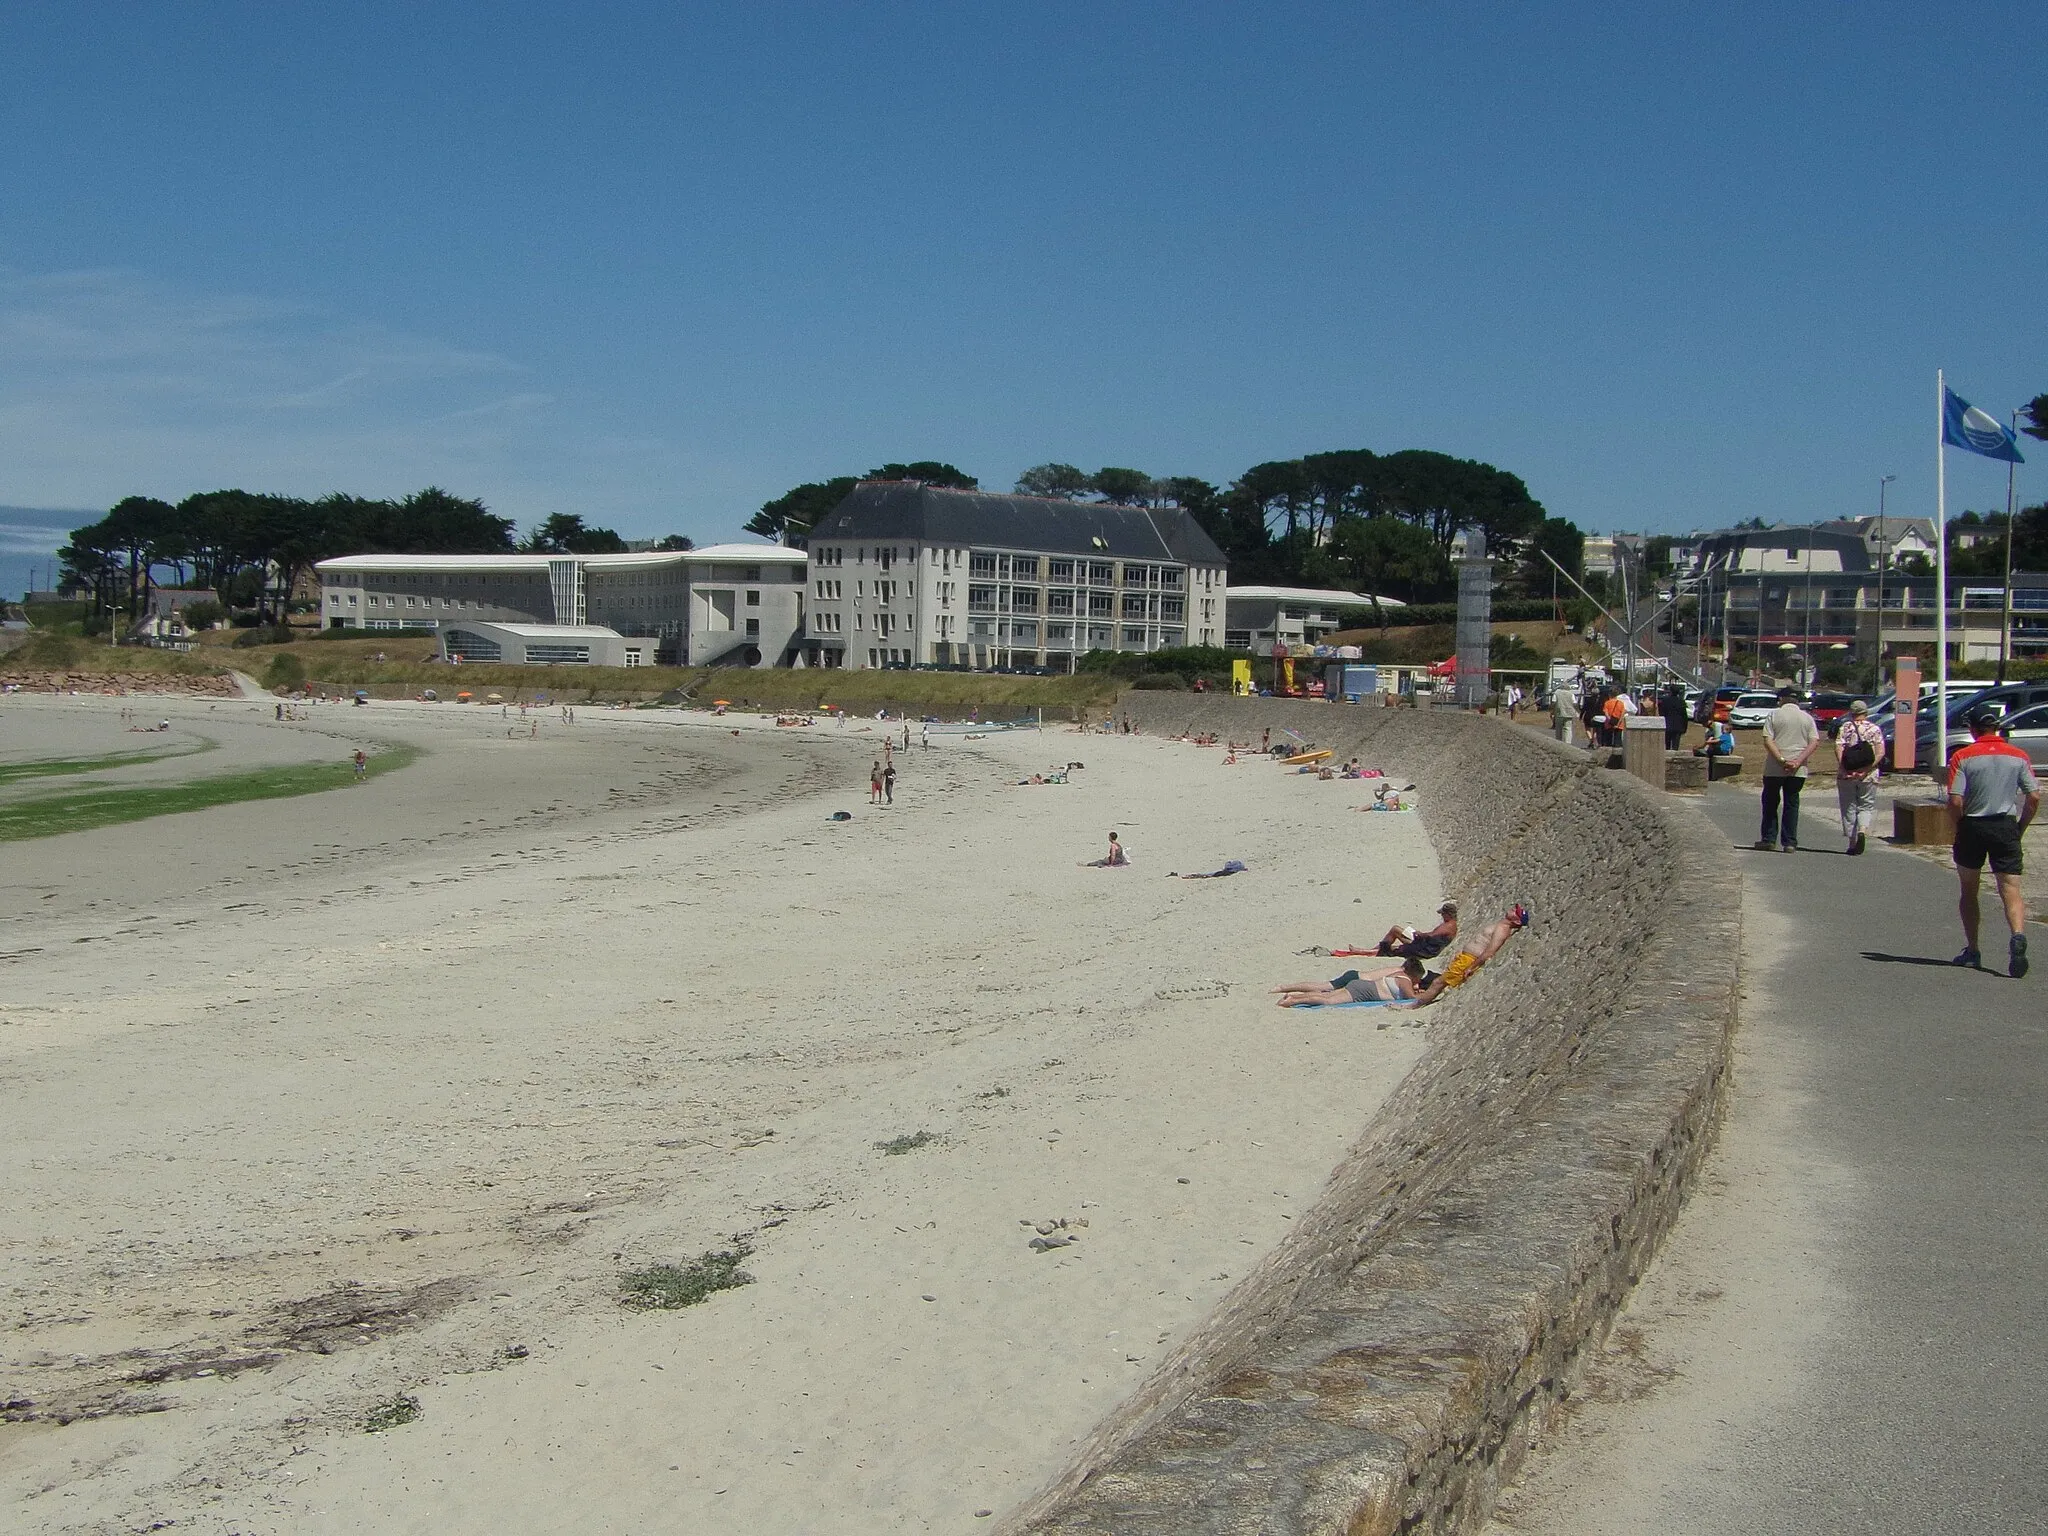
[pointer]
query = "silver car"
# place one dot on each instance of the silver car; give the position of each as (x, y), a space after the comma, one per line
(2028, 730)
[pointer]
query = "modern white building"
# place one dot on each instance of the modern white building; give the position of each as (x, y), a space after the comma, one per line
(727, 604)
(1260, 617)
(588, 645)
(908, 574)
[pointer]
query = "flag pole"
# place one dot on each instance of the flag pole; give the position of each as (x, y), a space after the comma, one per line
(1940, 576)
(2005, 621)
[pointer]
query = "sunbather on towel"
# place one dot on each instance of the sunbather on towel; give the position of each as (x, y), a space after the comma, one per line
(1426, 943)
(1386, 984)
(1477, 950)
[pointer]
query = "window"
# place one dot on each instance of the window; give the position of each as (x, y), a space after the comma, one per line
(1134, 605)
(981, 565)
(1171, 608)
(1169, 576)
(1134, 636)
(1024, 600)
(753, 599)
(1024, 632)
(1060, 570)
(981, 599)
(1101, 574)
(1137, 575)
(1100, 605)
(1059, 602)
(1059, 632)
(1024, 567)
(754, 629)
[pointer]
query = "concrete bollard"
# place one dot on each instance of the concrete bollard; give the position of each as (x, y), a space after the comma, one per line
(1642, 748)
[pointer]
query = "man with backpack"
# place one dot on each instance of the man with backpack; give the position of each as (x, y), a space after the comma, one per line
(1859, 758)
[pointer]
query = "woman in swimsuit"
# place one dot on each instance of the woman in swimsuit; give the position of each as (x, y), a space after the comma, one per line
(1388, 984)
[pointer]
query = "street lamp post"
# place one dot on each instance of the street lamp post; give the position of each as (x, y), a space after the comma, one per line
(1884, 557)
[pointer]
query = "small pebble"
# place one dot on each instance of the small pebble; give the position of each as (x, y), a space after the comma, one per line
(931, 1298)
(983, 1514)
(1183, 1181)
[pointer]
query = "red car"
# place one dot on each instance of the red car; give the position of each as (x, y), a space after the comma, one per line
(1830, 709)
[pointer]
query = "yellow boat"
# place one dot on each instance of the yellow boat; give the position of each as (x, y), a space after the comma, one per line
(1309, 757)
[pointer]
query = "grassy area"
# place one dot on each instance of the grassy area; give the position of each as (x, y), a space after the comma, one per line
(54, 653)
(60, 767)
(82, 810)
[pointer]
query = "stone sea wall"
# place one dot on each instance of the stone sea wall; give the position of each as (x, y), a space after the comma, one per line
(1387, 1366)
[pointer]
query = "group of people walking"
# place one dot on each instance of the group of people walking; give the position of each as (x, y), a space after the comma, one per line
(1991, 789)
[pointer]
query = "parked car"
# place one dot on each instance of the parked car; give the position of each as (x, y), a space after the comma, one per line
(1703, 711)
(2028, 730)
(1747, 711)
(2010, 699)
(1828, 710)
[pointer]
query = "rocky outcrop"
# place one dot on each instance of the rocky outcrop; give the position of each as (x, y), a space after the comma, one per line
(1386, 1367)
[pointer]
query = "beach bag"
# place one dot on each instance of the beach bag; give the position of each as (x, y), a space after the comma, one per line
(1858, 756)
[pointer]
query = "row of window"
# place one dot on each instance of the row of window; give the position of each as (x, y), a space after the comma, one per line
(992, 566)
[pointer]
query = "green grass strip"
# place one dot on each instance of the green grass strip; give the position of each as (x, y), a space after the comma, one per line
(52, 815)
(54, 767)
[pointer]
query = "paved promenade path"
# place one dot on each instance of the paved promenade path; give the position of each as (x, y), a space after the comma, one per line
(1848, 1330)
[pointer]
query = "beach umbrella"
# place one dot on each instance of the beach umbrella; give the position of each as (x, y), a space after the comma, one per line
(721, 703)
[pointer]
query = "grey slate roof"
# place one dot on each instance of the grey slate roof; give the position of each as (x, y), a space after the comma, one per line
(902, 509)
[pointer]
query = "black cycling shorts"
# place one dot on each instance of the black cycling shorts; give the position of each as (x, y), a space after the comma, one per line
(1994, 837)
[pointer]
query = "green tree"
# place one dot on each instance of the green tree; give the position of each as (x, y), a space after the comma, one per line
(927, 472)
(1386, 556)
(1124, 487)
(790, 517)
(2035, 415)
(673, 543)
(565, 533)
(1060, 480)
(1559, 538)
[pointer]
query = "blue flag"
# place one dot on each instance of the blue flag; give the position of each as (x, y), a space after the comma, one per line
(1964, 426)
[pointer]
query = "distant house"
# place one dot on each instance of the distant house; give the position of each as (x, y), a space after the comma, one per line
(906, 574)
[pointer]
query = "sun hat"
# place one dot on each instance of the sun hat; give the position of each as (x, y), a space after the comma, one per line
(1858, 707)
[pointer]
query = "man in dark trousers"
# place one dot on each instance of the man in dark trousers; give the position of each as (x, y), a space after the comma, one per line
(1791, 736)
(1673, 709)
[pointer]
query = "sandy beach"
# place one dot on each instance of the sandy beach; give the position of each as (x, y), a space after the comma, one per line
(314, 1102)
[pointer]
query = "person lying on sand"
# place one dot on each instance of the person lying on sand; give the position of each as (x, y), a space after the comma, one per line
(1426, 944)
(1384, 984)
(1230, 867)
(1477, 950)
(1116, 858)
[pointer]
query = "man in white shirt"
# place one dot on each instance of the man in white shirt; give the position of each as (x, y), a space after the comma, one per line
(1791, 736)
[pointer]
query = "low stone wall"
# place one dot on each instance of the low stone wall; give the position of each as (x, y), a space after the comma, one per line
(1387, 1366)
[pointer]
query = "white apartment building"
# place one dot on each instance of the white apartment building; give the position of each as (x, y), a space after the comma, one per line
(728, 604)
(907, 574)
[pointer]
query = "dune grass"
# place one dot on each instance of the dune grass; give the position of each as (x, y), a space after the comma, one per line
(82, 810)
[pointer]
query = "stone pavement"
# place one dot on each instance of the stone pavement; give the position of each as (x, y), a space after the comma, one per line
(1846, 1330)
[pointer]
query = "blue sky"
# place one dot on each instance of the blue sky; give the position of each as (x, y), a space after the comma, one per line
(657, 263)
